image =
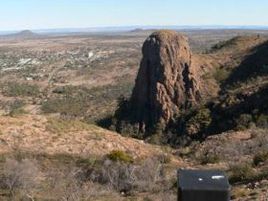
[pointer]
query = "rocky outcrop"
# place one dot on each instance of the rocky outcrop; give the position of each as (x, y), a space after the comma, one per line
(167, 81)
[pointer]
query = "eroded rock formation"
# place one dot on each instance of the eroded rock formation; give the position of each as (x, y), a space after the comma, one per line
(167, 81)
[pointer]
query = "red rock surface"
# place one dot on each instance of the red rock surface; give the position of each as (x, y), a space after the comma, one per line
(167, 81)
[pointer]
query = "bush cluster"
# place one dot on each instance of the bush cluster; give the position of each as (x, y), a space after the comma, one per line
(260, 157)
(121, 156)
(14, 89)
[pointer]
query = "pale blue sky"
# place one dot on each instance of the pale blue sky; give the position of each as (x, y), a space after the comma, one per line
(39, 14)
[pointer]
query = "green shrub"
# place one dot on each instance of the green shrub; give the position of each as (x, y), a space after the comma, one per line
(264, 69)
(185, 152)
(14, 89)
(129, 130)
(17, 112)
(164, 158)
(59, 126)
(88, 162)
(219, 45)
(260, 158)
(244, 121)
(262, 121)
(92, 104)
(221, 74)
(239, 192)
(68, 106)
(15, 108)
(243, 172)
(224, 44)
(156, 139)
(121, 156)
(73, 101)
(209, 159)
(199, 122)
(147, 199)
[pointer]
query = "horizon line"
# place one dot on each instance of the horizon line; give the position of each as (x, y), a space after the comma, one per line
(136, 27)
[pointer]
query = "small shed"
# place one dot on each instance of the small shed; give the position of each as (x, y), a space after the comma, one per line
(203, 185)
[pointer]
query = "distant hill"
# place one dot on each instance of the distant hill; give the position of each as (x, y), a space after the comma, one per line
(26, 33)
(140, 30)
(137, 30)
(22, 34)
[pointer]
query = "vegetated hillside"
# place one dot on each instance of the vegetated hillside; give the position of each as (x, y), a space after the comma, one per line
(47, 157)
(50, 149)
(53, 135)
(242, 100)
(238, 68)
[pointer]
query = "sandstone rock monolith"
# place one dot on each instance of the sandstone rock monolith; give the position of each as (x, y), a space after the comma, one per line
(167, 82)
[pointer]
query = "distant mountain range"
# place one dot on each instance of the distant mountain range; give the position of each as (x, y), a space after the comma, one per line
(133, 28)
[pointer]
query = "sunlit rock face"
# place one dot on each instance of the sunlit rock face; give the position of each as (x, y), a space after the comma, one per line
(167, 82)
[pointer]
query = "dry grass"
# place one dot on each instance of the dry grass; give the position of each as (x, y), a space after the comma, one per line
(54, 135)
(57, 125)
(239, 193)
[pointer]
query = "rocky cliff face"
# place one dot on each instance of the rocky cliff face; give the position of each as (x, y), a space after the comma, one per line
(167, 80)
